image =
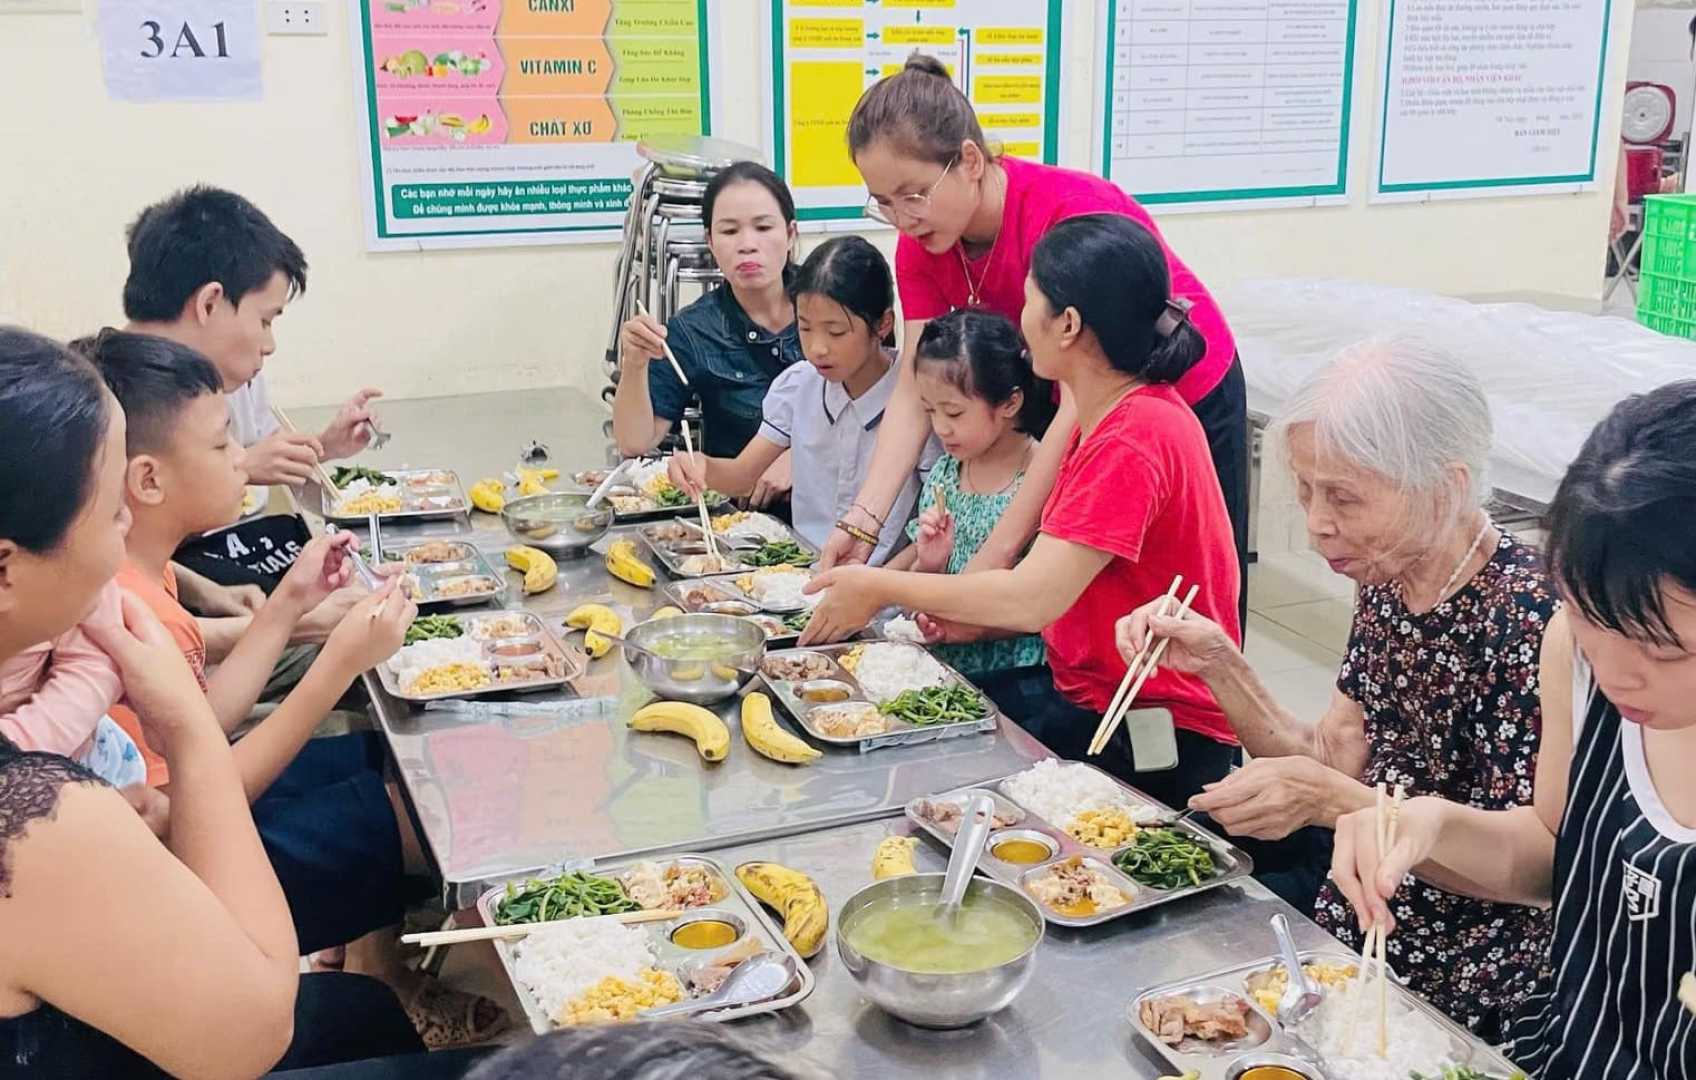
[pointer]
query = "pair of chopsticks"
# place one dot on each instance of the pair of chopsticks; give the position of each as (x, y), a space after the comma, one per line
(1141, 667)
(669, 355)
(318, 472)
(1386, 814)
(688, 444)
(433, 938)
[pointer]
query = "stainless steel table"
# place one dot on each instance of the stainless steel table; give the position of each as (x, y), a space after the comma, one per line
(1070, 1021)
(505, 796)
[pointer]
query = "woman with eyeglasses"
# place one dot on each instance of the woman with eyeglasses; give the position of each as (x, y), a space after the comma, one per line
(969, 221)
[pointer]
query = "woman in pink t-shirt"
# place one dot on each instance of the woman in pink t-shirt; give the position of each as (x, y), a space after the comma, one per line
(969, 221)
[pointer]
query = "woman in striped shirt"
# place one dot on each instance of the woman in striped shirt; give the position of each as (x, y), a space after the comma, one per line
(1610, 838)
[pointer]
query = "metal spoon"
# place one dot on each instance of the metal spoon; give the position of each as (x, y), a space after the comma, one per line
(1301, 996)
(360, 566)
(758, 978)
(379, 437)
(613, 477)
(968, 849)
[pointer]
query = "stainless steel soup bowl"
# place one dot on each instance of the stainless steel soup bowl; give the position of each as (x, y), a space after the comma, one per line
(937, 1001)
(700, 681)
(559, 522)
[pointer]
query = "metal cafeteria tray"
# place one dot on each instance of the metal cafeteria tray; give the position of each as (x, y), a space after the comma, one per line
(736, 902)
(675, 540)
(432, 577)
(575, 663)
(693, 595)
(1272, 1043)
(790, 694)
(1230, 862)
(588, 479)
(425, 493)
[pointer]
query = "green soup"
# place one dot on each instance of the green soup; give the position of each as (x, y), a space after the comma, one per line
(987, 934)
(695, 648)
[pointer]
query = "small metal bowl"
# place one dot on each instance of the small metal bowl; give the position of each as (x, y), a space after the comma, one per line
(559, 523)
(700, 681)
(928, 1000)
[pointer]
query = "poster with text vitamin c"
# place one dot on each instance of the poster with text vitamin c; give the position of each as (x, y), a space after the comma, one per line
(496, 122)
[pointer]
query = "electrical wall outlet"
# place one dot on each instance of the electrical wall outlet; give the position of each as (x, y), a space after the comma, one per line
(309, 18)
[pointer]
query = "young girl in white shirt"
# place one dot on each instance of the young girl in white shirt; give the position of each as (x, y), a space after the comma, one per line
(826, 411)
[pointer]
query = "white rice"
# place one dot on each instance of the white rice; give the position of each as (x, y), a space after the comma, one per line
(758, 527)
(645, 474)
(887, 668)
(1059, 792)
(784, 590)
(414, 659)
(1416, 1042)
(903, 628)
(564, 960)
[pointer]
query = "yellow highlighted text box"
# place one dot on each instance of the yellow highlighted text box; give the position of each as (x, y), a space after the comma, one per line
(1007, 89)
(1000, 59)
(1028, 150)
(918, 3)
(919, 34)
(1008, 35)
(1007, 121)
(827, 33)
(895, 69)
(821, 97)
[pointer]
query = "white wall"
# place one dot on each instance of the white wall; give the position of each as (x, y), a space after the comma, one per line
(1660, 52)
(75, 166)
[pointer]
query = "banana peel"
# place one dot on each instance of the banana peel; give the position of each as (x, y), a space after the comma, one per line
(667, 612)
(534, 481)
(794, 896)
(539, 569)
(592, 618)
(894, 857)
(761, 732)
(623, 564)
(489, 496)
(712, 737)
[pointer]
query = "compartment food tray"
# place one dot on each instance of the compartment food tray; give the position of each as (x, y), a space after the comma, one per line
(471, 563)
(459, 505)
(574, 660)
(678, 592)
(1230, 861)
(1282, 1041)
(673, 561)
(737, 901)
(900, 733)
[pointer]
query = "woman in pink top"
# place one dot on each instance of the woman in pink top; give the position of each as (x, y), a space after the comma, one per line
(969, 221)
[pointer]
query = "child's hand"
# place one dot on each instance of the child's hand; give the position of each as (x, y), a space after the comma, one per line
(282, 457)
(642, 338)
(935, 542)
(231, 601)
(774, 484)
(347, 434)
(158, 683)
(688, 473)
(947, 632)
(321, 568)
(373, 631)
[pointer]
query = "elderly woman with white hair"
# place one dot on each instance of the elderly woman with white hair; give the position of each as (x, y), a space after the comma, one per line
(1387, 445)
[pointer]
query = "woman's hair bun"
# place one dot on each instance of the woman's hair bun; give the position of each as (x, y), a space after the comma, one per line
(926, 63)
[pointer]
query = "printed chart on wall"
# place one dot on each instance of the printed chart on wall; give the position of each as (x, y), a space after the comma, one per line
(515, 121)
(1208, 104)
(1484, 97)
(1005, 55)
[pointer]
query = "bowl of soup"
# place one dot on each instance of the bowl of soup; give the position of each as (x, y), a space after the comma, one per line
(696, 657)
(558, 522)
(934, 972)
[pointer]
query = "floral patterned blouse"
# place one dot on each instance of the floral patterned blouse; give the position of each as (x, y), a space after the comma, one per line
(1451, 708)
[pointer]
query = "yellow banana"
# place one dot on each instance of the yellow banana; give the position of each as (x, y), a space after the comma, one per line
(894, 857)
(667, 612)
(592, 618)
(623, 564)
(489, 496)
(793, 895)
(712, 737)
(762, 732)
(540, 570)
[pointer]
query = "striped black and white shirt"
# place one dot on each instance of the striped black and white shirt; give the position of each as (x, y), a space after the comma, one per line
(1625, 918)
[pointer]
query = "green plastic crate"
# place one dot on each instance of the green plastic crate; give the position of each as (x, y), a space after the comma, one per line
(1666, 289)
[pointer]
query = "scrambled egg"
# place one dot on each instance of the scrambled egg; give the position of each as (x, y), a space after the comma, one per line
(1109, 828)
(448, 678)
(372, 502)
(1268, 986)
(851, 659)
(613, 1000)
(725, 522)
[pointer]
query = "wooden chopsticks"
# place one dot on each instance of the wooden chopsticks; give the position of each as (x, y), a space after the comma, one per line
(1141, 667)
(512, 933)
(318, 471)
(669, 355)
(1386, 815)
(701, 500)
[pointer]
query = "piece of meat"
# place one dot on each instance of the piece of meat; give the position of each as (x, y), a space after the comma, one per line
(1216, 1021)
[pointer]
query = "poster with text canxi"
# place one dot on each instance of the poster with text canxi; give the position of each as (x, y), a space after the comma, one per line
(497, 122)
(1491, 97)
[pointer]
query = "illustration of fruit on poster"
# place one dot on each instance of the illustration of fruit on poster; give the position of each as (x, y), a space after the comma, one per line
(516, 121)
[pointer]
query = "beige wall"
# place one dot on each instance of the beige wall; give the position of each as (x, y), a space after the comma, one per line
(75, 166)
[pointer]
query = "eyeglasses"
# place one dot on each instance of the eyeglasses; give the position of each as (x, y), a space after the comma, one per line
(914, 206)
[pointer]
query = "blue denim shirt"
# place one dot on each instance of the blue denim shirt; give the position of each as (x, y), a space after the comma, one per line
(730, 361)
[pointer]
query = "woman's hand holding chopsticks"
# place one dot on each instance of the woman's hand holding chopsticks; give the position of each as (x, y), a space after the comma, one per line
(1195, 643)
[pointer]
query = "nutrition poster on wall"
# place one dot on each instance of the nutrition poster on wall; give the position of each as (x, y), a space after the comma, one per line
(1490, 97)
(1005, 55)
(515, 121)
(1209, 103)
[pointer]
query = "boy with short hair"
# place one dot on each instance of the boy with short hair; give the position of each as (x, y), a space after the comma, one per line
(330, 823)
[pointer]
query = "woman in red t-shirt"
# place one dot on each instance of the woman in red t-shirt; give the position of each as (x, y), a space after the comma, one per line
(969, 223)
(1133, 505)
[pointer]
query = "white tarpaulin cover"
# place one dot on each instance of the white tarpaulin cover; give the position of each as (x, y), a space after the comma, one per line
(1550, 375)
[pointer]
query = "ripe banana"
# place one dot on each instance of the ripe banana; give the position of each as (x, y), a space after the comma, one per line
(667, 612)
(711, 736)
(762, 732)
(623, 564)
(793, 895)
(540, 570)
(531, 481)
(593, 617)
(489, 496)
(894, 857)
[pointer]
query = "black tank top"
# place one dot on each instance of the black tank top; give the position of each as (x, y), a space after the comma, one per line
(1625, 919)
